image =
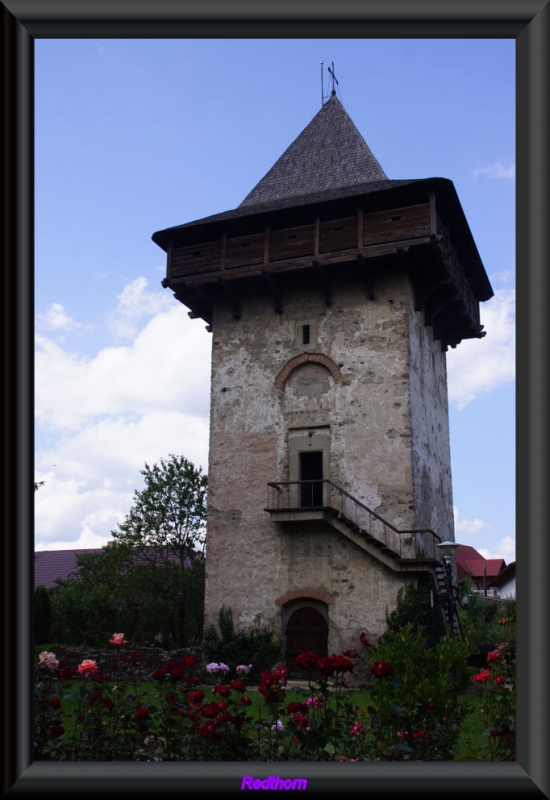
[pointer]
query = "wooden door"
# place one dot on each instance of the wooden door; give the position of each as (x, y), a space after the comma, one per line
(307, 631)
(311, 469)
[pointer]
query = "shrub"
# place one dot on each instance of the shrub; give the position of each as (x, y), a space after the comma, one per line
(499, 697)
(414, 607)
(415, 713)
(257, 646)
(42, 615)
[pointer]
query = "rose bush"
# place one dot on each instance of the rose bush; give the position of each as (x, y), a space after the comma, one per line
(414, 712)
(499, 696)
(101, 715)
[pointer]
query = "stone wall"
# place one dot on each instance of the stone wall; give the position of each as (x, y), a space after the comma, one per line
(358, 387)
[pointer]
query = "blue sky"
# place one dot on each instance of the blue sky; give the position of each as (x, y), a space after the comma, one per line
(133, 136)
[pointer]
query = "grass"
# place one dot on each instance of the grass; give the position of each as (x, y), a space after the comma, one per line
(471, 739)
(470, 742)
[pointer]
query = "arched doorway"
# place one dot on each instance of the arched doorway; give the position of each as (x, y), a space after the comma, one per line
(307, 630)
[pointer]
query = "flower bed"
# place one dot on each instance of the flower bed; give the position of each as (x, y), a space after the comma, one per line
(100, 709)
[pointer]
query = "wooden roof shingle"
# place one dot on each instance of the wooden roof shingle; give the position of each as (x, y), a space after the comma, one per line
(329, 153)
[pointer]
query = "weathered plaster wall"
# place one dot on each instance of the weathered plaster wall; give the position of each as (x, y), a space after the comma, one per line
(251, 561)
(431, 452)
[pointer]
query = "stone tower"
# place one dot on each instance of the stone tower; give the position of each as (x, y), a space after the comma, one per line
(332, 294)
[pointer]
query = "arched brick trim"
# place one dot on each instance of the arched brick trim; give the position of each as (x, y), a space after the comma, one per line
(312, 594)
(304, 358)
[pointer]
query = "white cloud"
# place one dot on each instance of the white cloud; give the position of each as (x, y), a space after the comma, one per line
(100, 419)
(135, 303)
(497, 171)
(506, 549)
(468, 527)
(98, 469)
(478, 366)
(166, 367)
(57, 320)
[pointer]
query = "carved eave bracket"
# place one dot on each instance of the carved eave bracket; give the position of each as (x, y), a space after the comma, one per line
(274, 290)
(323, 277)
(232, 297)
(367, 275)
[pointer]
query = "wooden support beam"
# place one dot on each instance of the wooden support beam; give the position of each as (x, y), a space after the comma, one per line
(367, 274)
(442, 296)
(274, 290)
(194, 287)
(198, 310)
(266, 244)
(324, 280)
(232, 296)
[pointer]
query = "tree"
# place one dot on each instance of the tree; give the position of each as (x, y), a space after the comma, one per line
(414, 607)
(167, 519)
(149, 583)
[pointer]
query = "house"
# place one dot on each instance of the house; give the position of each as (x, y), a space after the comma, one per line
(483, 571)
(505, 582)
(51, 566)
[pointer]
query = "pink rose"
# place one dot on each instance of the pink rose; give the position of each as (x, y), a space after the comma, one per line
(118, 639)
(48, 660)
(88, 667)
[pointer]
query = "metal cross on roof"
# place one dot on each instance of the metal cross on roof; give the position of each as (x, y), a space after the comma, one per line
(333, 76)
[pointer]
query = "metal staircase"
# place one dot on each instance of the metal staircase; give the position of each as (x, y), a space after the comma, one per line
(411, 550)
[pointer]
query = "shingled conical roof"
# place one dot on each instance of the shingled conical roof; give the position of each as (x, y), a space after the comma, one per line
(330, 153)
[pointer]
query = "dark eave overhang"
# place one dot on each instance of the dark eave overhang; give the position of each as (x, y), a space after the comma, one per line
(374, 196)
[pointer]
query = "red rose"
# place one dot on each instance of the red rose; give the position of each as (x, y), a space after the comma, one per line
(307, 660)
(292, 708)
(189, 661)
(67, 672)
(176, 673)
(381, 669)
(222, 690)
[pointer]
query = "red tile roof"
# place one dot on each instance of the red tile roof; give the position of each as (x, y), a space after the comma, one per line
(53, 565)
(470, 563)
(49, 565)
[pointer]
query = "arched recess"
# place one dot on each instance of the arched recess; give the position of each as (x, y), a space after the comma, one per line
(306, 630)
(304, 358)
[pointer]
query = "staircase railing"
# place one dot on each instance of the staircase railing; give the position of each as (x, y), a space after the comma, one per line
(326, 495)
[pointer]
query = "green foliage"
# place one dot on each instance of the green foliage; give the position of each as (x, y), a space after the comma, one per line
(257, 646)
(480, 617)
(83, 714)
(142, 584)
(414, 607)
(155, 603)
(499, 695)
(415, 711)
(42, 615)
(167, 518)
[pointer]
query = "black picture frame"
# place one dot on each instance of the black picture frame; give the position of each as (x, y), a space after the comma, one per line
(526, 21)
